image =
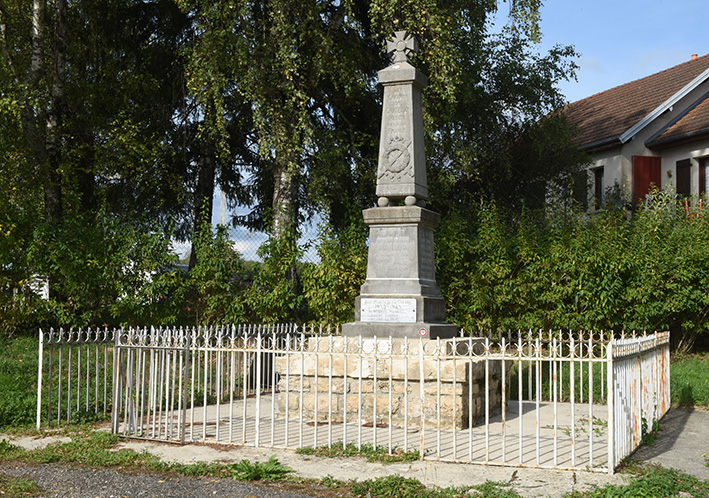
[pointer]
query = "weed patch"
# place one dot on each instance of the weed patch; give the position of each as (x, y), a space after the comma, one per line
(16, 487)
(89, 449)
(96, 449)
(379, 454)
(272, 470)
(649, 435)
(401, 487)
(9, 451)
(653, 482)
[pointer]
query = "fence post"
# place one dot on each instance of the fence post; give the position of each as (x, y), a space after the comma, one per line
(666, 371)
(422, 453)
(39, 378)
(185, 374)
(258, 388)
(115, 405)
(611, 408)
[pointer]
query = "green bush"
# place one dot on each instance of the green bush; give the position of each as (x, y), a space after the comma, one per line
(275, 295)
(562, 269)
(330, 287)
(17, 301)
(102, 270)
(215, 287)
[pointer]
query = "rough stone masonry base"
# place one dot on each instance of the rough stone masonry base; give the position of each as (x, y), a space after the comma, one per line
(359, 380)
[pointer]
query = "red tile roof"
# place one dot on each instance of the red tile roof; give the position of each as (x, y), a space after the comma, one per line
(609, 114)
(695, 122)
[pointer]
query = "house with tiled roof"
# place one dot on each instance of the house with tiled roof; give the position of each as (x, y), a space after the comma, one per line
(652, 131)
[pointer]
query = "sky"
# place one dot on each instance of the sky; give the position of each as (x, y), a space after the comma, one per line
(623, 40)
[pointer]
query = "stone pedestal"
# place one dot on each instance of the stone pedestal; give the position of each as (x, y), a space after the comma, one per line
(340, 380)
(400, 296)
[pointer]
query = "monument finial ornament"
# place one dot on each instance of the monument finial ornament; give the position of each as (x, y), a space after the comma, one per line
(401, 46)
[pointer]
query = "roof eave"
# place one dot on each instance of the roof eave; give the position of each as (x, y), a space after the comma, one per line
(605, 143)
(691, 136)
(668, 104)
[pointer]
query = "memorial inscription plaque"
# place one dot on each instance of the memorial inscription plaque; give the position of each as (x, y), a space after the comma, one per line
(388, 310)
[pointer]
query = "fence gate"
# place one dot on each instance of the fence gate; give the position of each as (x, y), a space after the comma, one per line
(150, 378)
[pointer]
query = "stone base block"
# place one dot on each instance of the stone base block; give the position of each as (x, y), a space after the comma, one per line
(386, 383)
(399, 330)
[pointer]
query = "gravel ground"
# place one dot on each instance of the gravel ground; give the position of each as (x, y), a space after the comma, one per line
(75, 481)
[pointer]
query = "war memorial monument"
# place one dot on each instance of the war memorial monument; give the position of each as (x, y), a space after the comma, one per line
(399, 343)
(400, 297)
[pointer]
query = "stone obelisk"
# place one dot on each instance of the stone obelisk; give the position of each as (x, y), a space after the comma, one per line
(400, 297)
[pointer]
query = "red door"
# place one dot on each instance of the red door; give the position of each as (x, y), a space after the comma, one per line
(646, 172)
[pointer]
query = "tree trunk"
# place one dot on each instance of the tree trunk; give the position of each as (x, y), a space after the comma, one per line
(44, 143)
(204, 195)
(285, 213)
(284, 203)
(55, 117)
(28, 118)
(85, 176)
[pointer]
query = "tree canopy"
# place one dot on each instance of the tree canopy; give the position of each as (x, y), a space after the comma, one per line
(125, 115)
(307, 75)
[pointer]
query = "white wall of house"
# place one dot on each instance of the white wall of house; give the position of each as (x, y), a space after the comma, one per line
(611, 161)
(695, 151)
(617, 162)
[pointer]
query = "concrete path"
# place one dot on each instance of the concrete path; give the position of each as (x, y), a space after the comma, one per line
(526, 482)
(683, 438)
(682, 444)
(545, 434)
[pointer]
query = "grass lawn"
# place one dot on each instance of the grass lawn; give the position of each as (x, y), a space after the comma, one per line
(689, 381)
(18, 381)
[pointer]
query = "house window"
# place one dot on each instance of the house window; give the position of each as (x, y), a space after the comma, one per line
(684, 178)
(703, 177)
(598, 187)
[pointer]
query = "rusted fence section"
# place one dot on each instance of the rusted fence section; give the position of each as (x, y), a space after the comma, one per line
(552, 400)
(640, 389)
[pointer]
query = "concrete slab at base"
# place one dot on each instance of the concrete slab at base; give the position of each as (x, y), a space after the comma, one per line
(411, 330)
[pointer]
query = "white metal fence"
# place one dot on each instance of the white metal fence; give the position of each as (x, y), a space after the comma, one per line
(73, 379)
(640, 389)
(553, 400)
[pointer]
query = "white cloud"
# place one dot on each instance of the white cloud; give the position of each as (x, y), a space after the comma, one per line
(592, 64)
(657, 60)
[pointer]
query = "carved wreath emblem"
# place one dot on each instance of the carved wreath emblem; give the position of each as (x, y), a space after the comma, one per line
(397, 159)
